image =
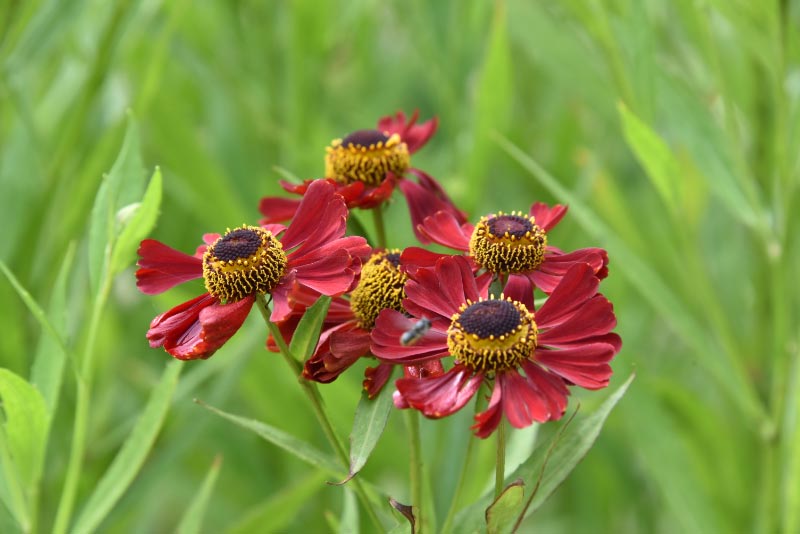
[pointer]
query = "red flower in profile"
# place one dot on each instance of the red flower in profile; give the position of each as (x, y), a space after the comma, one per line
(367, 165)
(531, 356)
(510, 244)
(312, 252)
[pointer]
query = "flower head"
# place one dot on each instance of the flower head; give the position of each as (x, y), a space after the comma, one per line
(312, 252)
(529, 356)
(513, 244)
(367, 165)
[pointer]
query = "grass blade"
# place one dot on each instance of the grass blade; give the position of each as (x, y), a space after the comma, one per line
(193, 516)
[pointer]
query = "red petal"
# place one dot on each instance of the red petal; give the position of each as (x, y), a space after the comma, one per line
(413, 258)
(443, 228)
(277, 209)
(427, 181)
(390, 326)
(376, 377)
(320, 217)
(575, 288)
(546, 217)
(444, 289)
(340, 347)
(442, 395)
(584, 365)
(522, 402)
(163, 267)
(487, 420)
(594, 318)
(415, 136)
(197, 328)
(519, 287)
(281, 308)
(552, 388)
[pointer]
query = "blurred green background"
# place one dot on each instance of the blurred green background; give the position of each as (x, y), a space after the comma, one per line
(671, 128)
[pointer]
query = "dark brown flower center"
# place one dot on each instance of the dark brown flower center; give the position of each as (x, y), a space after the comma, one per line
(366, 156)
(380, 287)
(492, 335)
(506, 243)
(243, 262)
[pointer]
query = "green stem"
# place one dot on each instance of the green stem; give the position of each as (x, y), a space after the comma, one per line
(380, 228)
(66, 504)
(462, 477)
(500, 466)
(311, 391)
(415, 468)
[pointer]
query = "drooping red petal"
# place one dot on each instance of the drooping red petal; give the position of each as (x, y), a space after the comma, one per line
(376, 377)
(320, 217)
(577, 286)
(390, 327)
(197, 328)
(444, 289)
(413, 258)
(557, 262)
(433, 187)
(584, 365)
(487, 420)
(546, 217)
(522, 402)
(162, 267)
(336, 351)
(413, 135)
(519, 287)
(551, 387)
(443, 228)
(277, 209)
(595, 317)
(440, 396)
(281, 306)
(329, 270)
(421, 204)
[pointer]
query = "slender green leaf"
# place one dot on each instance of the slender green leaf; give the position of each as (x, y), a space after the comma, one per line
(138, 225)
(503, 512)
(47, 371)
(289, 443)
(122, 186)
(23, 441)
(305, 337)
(655, 156)
(349, 519)
(276, 512)
(193, 516)
(791, 454)
(133, 454)
(548, 466)
(368, 426)
(34, 308)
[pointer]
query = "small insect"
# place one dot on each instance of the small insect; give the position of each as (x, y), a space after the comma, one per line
(415, 333)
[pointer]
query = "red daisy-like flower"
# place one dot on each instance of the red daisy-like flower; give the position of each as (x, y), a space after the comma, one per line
(509, 244)
(312, 252)
(531, 356)
(367, 165)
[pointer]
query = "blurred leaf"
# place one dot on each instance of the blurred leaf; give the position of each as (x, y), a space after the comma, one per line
(132, 455)
(493, 99)
(34, 308)
(410, 525)
(349, 521)
(23, 441)
(655, 156)
(47, 371)
(120, 187)
(276, 512)
(138, 225)
(368, 426)
(502, 513)
(791, 477)
(548, 466)
(290, 444)
(305, 337)
(193, 516)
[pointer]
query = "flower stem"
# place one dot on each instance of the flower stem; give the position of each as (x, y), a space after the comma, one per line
(500, 467)
(456, 500)
(415, 468)
(311, 391)
(380, 228)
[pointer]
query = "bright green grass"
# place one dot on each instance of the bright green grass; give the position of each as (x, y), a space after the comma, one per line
(671, 128)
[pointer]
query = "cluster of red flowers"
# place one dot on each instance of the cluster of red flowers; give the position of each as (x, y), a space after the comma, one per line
(451, 323)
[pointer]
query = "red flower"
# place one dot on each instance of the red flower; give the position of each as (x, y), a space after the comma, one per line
(531, 356)
(311, 252)
(512, 244)
(367, 165)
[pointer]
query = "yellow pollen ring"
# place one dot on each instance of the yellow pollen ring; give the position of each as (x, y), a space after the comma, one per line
(234, 279)
(368, 164)
(380, 287)
(508, 253)
(493, 353)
